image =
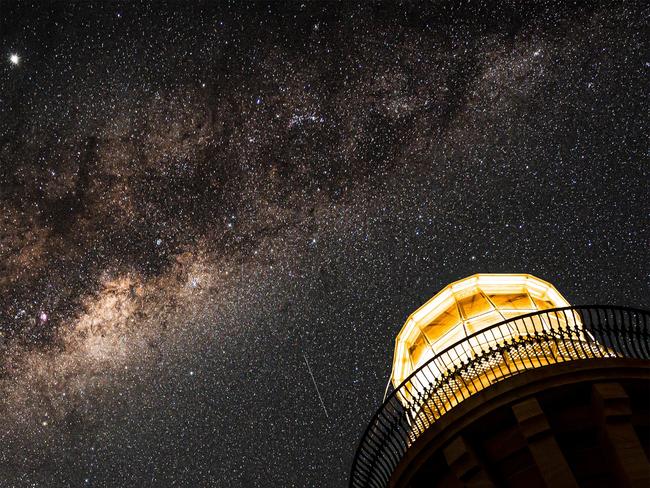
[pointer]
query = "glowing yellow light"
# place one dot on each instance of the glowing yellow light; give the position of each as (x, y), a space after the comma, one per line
(465, 307)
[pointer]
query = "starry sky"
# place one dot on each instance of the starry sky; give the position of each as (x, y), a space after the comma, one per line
(215, 217)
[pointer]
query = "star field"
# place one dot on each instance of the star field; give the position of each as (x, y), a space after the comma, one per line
(215, 217)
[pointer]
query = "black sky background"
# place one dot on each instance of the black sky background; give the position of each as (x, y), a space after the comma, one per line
(195, 197)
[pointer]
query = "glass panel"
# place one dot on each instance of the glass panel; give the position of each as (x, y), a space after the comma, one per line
(454, 335)
(509, 314)
(474, 305)
(442, 324)
(543, 304)
(481, 322)
(425, 355)
(535, 324)
(518, 301)
(417, 349)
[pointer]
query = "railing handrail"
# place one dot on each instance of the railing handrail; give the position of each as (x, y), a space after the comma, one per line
(392, 395)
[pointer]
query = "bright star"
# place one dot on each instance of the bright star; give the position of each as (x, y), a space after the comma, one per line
(14, 59)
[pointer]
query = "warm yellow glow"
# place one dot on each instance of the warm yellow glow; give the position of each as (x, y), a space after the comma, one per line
(467, 306)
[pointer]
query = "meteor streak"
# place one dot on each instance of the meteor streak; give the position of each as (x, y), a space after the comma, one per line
(315, 385)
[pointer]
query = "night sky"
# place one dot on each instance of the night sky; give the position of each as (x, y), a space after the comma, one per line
(203, 205)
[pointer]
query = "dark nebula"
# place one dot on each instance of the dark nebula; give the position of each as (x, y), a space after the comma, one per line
(199, 200)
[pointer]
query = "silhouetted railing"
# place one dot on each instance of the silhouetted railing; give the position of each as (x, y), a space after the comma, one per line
(502, 350)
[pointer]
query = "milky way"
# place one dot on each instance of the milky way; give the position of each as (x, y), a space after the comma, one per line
(200, 203)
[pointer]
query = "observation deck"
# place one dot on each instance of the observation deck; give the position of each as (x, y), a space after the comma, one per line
(434, 379)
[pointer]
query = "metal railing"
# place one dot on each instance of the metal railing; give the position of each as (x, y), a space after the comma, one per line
(502, 350)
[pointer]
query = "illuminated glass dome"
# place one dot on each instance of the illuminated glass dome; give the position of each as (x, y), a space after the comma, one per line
(467, 306)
